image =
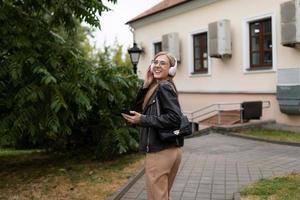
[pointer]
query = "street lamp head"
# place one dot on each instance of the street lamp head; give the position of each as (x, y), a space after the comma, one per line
(134, 53)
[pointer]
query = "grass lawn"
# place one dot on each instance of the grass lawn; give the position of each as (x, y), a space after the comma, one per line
(278, 188)
(277, 135)
(37, 175)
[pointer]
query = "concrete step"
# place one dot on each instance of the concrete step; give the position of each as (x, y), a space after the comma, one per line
(226, 118)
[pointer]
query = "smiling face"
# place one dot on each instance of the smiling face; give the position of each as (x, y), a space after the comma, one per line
(161, 66)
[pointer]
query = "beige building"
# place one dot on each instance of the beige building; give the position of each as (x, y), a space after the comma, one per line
(229, 51)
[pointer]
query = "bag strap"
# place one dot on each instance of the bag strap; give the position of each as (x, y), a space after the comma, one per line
(173, 87)
(157, 102)
(157, 106)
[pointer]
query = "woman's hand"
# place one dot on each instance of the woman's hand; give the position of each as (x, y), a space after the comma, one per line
(135, 118)
(148, 78)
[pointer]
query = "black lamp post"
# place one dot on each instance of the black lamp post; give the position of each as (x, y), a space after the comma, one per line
(134, 53)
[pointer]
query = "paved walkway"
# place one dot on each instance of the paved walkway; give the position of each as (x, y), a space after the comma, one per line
(215, 166)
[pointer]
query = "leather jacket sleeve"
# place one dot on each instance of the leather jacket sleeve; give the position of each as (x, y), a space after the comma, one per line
(138, 107)
(170, 110)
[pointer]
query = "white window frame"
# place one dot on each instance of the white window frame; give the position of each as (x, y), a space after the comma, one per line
(152, 48)
(191, 54)
(246, 43)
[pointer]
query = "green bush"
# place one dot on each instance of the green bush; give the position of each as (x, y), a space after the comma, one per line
(52, 94)
(104, 123)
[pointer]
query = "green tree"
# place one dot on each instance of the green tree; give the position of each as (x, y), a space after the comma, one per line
(49, 90)
(113, 55)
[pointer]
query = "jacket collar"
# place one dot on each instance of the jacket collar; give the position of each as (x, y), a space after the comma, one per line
(151, 101)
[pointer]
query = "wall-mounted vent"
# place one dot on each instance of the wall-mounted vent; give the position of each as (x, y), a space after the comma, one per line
(219, 39)
(290, 23)
(171, 43)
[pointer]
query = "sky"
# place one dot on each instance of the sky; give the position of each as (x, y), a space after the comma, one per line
(113, 22)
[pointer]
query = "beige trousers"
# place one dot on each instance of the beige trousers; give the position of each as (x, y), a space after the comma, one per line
(161, 169)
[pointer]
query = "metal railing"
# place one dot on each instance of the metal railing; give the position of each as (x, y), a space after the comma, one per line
(217, 108)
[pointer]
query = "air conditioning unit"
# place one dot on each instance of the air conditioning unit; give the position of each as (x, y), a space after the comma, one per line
(290, 23)
(219, 39)
(171, 43)
(288, 90)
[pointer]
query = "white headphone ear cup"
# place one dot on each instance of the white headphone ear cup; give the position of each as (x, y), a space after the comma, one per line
(151, 68)
(172, 70)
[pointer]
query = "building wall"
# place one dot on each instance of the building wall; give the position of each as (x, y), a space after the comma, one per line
(226, 76)
(193, 101)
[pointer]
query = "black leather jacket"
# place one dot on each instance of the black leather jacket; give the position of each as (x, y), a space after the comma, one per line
(170, 117)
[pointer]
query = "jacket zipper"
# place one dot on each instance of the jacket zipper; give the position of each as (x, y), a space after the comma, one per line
(148, 137)
(148, 141)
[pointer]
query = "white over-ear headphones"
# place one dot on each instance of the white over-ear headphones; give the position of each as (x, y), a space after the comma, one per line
(172, 70)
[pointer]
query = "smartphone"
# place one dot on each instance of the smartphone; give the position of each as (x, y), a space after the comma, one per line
(126, 111)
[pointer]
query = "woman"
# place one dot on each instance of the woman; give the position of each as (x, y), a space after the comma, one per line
(162, 158)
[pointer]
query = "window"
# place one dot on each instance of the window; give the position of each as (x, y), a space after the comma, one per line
(259, 43)
(200, 58)
(260, 35)
(157, 47)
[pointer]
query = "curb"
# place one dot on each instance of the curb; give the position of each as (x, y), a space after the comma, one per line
(201, 132)
(263, 140)
(124, 189)
(235, 127)
(230, 131)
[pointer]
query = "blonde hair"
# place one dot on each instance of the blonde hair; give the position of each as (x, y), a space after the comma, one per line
(169, 56)
(153, 86)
